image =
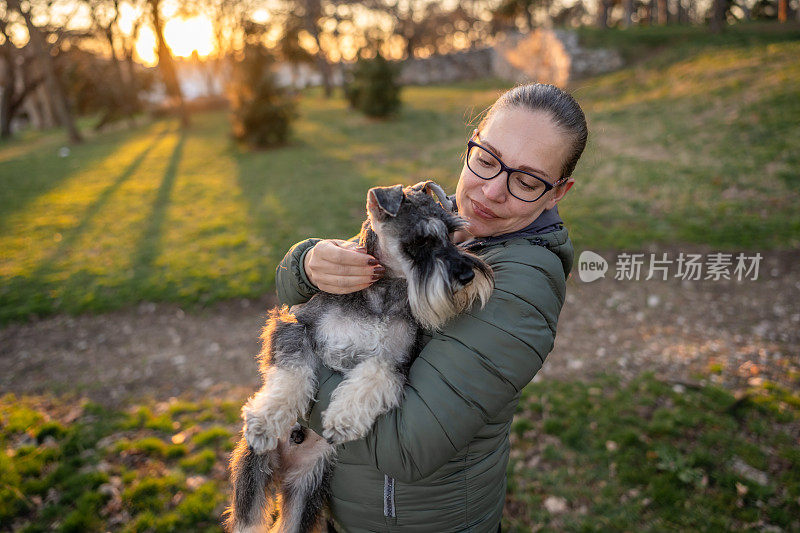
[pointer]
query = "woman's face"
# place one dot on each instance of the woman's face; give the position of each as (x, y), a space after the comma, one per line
(522, 139)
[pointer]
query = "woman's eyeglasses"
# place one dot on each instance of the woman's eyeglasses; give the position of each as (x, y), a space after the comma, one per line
(521, 184)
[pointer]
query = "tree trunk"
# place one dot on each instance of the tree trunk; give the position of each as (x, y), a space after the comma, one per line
(123, 92)
(681, 12)
(782, 10)
(325, 71)
(628, 13)
(529, 17)
(165, 64)
(56, 95)
(662, 12)
(409, 48)
(717, 15)
(652, 11)
(8, 84)
(602, 13)
(8, 81)
(5, 112)
(322, 63)
(15, 87)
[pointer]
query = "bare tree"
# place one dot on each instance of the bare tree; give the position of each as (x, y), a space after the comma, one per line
(429, 25)
(783, 9)
(525, 10)
(165, 63)
(409, 17)
(16, 81)
(311, 15)
(629, 7)
(663, 12)
(41, 50)
(718, 9)
(319, 20)
(127, 45)
(105, 15)
(603, 8)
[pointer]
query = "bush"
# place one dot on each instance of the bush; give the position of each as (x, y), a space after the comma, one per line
(373, 87)
(262, 111)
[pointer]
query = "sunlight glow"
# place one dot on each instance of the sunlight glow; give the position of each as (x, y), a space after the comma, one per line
(146, 47)
(185, 36)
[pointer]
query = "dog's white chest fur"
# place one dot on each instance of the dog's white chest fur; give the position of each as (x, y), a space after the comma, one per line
(346, 338)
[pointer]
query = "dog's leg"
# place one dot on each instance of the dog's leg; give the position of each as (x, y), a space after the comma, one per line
(253, 489)
(274, 409)
(305, 489)
(370, 389)
(288, 365)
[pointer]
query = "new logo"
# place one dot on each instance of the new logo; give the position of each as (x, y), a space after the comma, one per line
(591, 266)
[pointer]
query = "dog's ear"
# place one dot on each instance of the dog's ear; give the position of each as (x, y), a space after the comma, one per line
(435, 191)
(387, 199)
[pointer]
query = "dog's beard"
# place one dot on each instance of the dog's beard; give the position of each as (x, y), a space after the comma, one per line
(479, 289)
(432, 298)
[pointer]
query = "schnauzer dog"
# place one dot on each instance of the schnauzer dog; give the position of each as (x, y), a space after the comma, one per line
(370, 336)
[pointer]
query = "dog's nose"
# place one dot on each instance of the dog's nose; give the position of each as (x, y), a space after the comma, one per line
(466, 276)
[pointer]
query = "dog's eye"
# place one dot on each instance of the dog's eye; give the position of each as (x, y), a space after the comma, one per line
(419, 243)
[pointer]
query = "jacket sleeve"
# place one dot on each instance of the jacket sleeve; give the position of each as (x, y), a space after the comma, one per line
(466, 374)
(291, 283)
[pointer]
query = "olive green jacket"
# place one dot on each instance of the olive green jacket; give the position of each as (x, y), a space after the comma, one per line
(438, 462)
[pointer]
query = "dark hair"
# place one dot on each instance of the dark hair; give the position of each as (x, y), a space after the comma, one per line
(562, 107)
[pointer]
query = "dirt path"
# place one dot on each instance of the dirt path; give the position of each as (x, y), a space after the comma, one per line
(744, 331)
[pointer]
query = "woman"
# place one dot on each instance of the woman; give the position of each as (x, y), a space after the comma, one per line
(438, 462)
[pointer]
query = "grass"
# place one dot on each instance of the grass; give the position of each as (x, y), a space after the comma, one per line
(639, 456)
(674, 42)
(695, 144)
(80, 467)
(651, 456)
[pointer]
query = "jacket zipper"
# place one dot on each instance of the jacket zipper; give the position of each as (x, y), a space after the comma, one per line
(388, 497)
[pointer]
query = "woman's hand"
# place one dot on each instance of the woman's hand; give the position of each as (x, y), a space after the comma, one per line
(341, 267)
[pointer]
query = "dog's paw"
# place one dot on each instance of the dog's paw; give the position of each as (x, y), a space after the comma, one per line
(263, 432)
(257, 436)
(337, 429)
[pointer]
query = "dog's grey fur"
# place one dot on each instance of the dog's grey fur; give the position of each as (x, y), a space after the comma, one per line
(369, 336)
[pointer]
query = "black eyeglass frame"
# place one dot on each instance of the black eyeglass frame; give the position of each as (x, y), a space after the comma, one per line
(508, 170)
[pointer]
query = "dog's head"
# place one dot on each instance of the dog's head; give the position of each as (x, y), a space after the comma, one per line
(409, 231)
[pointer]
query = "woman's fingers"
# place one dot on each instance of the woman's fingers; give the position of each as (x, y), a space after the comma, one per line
(346, 253)
(340, 267)
(344, 284)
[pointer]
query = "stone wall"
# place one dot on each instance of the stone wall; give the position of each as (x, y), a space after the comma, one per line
(548, 56)
(466, 65)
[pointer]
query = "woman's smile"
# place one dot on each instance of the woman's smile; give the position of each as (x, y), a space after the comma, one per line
(482, 211)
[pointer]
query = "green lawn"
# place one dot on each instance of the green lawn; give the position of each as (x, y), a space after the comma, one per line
(697, 146)
(642, 456)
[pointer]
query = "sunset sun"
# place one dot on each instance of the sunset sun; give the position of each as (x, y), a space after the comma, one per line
(185, 36)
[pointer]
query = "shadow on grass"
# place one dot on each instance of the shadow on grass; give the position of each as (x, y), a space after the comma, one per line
(284, 208)
(35, 288)
(73, 234)
(38, 171)
(150, 245)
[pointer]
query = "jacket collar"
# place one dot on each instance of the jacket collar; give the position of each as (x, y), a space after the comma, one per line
(546, 222)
